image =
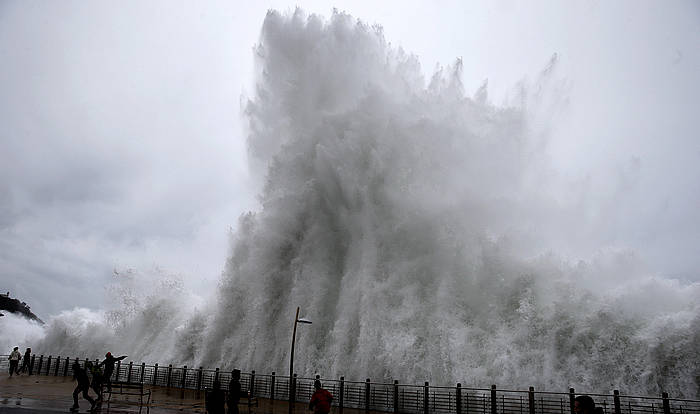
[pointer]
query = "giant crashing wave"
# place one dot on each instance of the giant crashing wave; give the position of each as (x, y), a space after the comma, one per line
(414, 225)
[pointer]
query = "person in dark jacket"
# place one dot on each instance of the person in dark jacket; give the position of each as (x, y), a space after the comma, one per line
(25, 361)
(234, 392)
(109, 367)
(216, 399)
(584, 404)
(97, 379)
(80, 375)
(321, 399)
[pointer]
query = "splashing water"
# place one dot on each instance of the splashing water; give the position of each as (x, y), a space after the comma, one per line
(418, 228)
(395, 214)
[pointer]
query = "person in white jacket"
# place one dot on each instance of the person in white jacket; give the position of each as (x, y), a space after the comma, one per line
(14, 358)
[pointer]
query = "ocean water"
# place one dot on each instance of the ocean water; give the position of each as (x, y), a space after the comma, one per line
(423, 230)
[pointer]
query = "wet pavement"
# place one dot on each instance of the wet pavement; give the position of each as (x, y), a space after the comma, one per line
(33, 394)
(45, 394)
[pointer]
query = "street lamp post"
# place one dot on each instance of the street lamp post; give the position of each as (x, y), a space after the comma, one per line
(291, 360)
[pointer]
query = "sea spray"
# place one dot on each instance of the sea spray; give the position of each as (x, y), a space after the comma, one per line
(411, 223)
(146, 315)
(419, 229)
(17, 330)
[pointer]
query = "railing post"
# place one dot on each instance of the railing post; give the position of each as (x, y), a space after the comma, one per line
(667, 405)
(216, 375)
(128, 375)
(367, 394)
(182, 382)
(155, 374)
(170, 375)
(31, 365)
(342, 396)
(272, 386)
(58, 364)
(572, 398)
(65, 368)
(48, 365)
(494, 403)
(252, 383)
(41, 362)
(458, 398)
(143, 371)
(318, 378)
(616, 399)
(531, 400)
(426, 398)
(119, 367)
(199, 381)
(396, 397)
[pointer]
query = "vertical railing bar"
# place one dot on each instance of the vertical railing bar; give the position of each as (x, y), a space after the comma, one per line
(572, 397)
(458, 398)
(666, 405)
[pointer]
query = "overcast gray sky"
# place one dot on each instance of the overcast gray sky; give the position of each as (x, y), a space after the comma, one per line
(122, 145)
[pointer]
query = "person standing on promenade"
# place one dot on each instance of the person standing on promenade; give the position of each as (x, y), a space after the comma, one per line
(80, 375)
(584, 404)
(14, 358)
(216, 399)
(25, 361)
(97, 379)
(109, 367)
(321, 399)
(234, 392)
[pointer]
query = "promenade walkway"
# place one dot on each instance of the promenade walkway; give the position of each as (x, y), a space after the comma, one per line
(39, 394)
(45, 394)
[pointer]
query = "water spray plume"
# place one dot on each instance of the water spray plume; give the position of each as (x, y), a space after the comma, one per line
(419, 229)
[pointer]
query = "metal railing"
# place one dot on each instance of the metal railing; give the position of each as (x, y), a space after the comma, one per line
(373, 396)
